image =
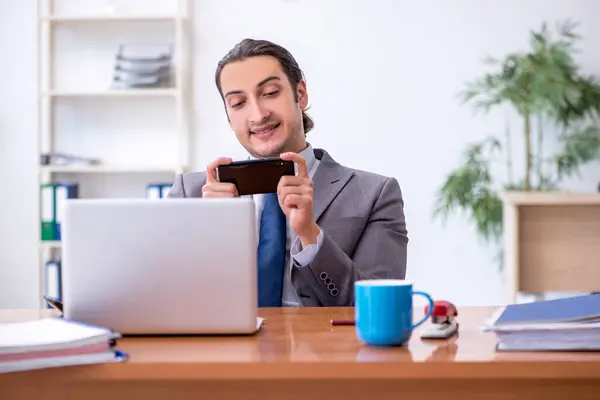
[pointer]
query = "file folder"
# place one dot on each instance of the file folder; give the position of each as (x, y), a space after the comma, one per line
(158, 190)
(569, 324)
(153, 191)
(165, 191)
(53, 280)
(585, 308)
(63, 191)
(47, 211)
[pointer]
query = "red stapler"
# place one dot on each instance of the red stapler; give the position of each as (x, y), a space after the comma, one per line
(443, 321)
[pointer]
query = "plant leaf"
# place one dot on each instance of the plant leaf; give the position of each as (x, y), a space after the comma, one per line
(578, 148)
(469, 188)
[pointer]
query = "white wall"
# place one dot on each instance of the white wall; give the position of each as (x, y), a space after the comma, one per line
(382, 78)
(18, 155)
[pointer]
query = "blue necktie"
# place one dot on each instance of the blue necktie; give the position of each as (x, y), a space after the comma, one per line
(271, 253)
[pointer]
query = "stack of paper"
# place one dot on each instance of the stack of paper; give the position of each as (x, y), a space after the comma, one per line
(55, 342)
(564, 324)
(139, 66)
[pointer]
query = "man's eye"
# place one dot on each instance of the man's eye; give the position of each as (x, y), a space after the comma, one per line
(273, 93)
(237, 105)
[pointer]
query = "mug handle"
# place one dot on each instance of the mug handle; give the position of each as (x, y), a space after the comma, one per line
(428, 297)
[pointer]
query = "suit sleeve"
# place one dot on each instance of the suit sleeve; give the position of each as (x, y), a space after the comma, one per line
(380, 253)
(177, 190)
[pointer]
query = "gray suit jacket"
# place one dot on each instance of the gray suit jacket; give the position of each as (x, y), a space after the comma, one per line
(364, 231)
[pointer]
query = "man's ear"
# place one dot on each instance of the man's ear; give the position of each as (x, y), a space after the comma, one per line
(302, 95)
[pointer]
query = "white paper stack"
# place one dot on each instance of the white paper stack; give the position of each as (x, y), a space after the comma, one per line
(138, 66)
(55, 342)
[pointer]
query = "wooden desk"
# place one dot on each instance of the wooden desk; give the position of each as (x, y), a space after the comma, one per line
(551, 242)
(299, 355)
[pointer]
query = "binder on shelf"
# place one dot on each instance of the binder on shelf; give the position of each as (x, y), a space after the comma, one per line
(158, 190)
(53, 196)
(53, 280)
(47, 215)
(63, 191)
(165, 190)
(153, 191)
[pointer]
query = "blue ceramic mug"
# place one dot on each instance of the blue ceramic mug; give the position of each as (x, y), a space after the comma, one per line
(384, 311)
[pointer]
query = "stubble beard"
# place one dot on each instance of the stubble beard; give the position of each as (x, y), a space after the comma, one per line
(287, 145)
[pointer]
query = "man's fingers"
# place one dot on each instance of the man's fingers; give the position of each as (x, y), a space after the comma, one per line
(288, 180)
(211, 169)
(299, 160)
(289, 190)
(296, 201)
(222, 187)
(221, 195)
(219, 188)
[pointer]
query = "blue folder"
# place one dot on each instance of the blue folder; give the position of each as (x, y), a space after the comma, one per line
(584, 308)
(53, 280)
(64, 191)
(158, 190)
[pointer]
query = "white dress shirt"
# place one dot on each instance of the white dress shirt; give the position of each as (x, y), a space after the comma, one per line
(306, 255)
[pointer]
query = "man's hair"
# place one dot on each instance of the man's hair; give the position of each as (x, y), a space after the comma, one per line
(252, 48)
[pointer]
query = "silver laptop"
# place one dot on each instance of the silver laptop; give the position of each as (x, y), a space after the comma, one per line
(171, 266)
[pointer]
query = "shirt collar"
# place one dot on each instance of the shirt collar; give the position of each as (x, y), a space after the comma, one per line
(308, 154)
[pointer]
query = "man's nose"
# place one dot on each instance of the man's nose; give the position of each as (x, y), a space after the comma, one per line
(257, 113)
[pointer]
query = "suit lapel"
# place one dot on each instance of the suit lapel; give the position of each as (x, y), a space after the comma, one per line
(330, 177)
(328, 180)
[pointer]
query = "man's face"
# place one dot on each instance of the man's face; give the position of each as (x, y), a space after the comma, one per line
(261, 106)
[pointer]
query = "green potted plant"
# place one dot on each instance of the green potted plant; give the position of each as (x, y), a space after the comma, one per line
(544, 87)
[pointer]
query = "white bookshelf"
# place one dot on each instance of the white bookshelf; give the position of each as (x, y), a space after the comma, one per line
(115, 93)
(75, 19)
(51, 244)
(140, 136)
(109, 169)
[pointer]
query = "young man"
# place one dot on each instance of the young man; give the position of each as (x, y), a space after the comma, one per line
(326, 227)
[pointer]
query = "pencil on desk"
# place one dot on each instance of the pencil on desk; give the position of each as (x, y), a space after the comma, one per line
(342, 322)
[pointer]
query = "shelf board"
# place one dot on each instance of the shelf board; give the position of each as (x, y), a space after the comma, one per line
(111, 17)
(115, 93)
(51, 244)
(76, 169)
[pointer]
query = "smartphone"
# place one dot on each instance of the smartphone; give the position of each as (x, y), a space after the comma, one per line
(255, 176)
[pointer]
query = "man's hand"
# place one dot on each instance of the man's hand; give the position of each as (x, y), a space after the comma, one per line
(295, 195)
(214, 188)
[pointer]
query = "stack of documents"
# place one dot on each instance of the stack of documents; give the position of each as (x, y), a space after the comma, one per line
(139, 66)
(55, 342)
(554, 325)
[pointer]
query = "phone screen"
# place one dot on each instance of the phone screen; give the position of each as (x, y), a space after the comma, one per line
(255, 176)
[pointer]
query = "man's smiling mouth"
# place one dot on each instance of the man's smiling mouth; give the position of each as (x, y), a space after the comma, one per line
(265, 129)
